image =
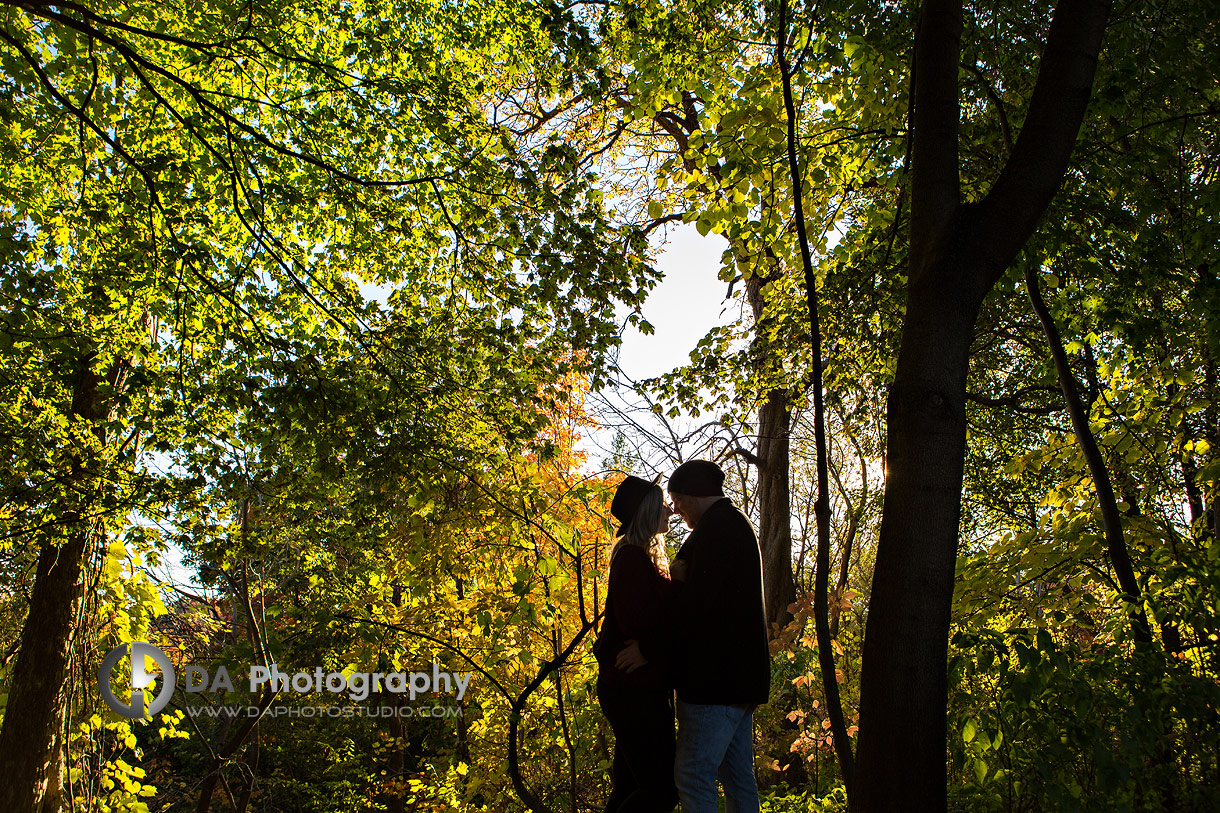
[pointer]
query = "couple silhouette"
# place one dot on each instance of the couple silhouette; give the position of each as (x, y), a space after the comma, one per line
(693, 632)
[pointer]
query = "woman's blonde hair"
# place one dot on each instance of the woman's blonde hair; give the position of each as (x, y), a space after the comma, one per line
(642, 531)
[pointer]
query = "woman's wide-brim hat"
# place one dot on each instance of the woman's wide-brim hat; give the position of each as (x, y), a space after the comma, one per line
(627, 498)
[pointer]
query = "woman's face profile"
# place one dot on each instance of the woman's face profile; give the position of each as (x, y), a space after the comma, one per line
(666, 514)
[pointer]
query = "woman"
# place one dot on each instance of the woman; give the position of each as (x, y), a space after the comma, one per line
(639, 703)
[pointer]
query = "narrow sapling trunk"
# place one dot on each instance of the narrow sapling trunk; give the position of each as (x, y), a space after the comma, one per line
(1111, 518)
(854, 516)
(826, 661)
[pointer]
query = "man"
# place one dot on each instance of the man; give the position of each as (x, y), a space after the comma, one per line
(722, 667)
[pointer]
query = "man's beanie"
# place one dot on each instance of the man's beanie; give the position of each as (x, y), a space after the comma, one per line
(697, 478)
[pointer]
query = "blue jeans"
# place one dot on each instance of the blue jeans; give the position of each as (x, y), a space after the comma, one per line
(715, 742)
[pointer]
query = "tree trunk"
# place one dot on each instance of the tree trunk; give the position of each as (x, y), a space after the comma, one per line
(821, 586)
(395, 799)
(855, 515)
(1211, 432)
(772, 460)
(958, 252)
(774, 514)
(903, 687)
(34, 716)
(31, 738)
(1112, 525)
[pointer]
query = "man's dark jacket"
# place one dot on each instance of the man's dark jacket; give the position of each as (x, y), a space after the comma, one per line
(719, 628)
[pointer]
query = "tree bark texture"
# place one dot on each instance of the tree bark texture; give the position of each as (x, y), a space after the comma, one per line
(901, 748)
(774, 509)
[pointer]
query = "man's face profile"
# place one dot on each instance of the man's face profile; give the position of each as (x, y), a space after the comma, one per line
(681, 503)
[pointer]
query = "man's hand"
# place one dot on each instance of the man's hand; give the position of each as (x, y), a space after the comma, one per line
(629, 658)
(677, 570)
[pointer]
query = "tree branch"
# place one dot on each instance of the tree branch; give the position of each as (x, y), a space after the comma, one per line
(745, 454)
(1039, 159)
(935, 183)
(1013, 401)
(996, 101)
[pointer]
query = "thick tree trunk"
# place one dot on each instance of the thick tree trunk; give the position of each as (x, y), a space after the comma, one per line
(901, 750)
(958, 252)
(31, 738)
(33, 719)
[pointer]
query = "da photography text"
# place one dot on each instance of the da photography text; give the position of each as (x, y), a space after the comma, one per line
(357, 685)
